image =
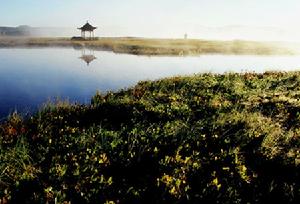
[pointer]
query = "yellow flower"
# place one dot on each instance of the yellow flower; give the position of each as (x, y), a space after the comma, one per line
(173, 191)
(215, 182)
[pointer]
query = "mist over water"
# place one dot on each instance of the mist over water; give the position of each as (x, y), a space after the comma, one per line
(233, 32)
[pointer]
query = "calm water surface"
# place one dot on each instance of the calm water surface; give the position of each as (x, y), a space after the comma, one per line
(31, 77)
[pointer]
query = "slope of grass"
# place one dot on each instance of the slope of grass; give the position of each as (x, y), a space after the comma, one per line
(144, 46)
(202, 139)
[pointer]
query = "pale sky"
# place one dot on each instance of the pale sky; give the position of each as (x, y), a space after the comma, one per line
(151, 17)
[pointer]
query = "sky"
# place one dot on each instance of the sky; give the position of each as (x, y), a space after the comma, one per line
(153, 17)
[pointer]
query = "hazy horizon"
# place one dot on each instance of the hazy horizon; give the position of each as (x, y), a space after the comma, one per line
(247, 19)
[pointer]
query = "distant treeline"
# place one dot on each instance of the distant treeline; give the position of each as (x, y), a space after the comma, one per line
(16, 31)
(28, 31)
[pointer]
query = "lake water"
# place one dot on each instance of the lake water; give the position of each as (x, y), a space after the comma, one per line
(31, 77)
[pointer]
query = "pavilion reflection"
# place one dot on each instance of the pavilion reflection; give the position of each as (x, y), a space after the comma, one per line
(87, 55)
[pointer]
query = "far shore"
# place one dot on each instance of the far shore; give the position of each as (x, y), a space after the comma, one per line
(163, 47)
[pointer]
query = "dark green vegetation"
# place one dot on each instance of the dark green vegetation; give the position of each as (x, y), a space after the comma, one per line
(204, 139)
(145, 46)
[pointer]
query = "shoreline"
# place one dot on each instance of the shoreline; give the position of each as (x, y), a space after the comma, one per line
(162, 134)
(156, 47)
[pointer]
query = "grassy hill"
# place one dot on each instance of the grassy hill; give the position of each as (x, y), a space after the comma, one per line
(230, 138)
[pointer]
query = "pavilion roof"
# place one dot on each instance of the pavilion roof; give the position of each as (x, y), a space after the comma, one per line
(87, 27)
(88, 58)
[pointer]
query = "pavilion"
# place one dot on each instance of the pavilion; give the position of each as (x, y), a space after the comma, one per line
(88, 59)
(87, 28)
(87, 55)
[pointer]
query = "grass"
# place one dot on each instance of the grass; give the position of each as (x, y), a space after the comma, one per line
(231, 138)
(145, 46)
